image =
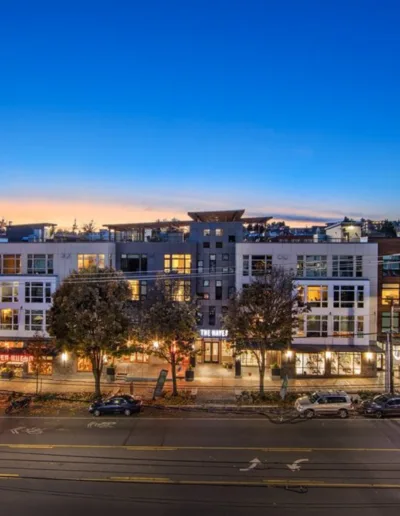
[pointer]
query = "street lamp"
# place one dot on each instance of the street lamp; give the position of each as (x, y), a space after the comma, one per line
(64, 358)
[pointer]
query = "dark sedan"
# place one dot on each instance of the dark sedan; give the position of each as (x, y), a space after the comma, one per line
(116, 405)
(382, 405)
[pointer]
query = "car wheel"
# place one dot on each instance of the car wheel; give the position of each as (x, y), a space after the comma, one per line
(309, 414)
(97, 413)
(127, 412)
(343, 413)
(379, 414)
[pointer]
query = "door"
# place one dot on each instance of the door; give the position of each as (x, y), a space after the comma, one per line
(211, 352)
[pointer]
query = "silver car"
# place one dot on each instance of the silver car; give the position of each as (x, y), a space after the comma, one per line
(324, 403)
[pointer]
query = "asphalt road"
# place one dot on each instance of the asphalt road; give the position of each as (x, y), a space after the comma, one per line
(171, 464)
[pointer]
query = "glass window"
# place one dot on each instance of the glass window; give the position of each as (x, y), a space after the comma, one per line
(84, 365)
(218, 245)
(139, 357)
(246, 265)
(34, 320)
(200, 266)
(260, 264)
(345, 363)
(317, 296)
(180, 289)
(37, 292)
(317, 325)
(310, 364)
(300, 328)
(40, 264)
(348, 296)
(88, 261)
(348, 325)
(177, 263)
(206, 232)
(10, 264)
(211, 315)
(218, 290)
(232, 239)
(206, 245)
(213, 263)
(134, 262)
(386, 322)
(312, 266)
(390, 292)
(231, 291)
(9, 292)
(391, 265)
(225, 257)
(138, 289)
(8, 319)
(346, 266)
(219, 232)
(206, 283)
(45, 368)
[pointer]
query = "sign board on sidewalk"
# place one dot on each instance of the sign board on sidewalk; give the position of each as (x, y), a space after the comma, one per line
(160, 383)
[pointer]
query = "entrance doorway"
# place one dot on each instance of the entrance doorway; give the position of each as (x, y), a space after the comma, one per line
(211, 352)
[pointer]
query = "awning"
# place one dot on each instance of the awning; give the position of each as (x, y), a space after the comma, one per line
(319, 348)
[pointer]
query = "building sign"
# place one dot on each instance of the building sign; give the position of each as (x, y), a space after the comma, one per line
(213, 333)
(6, 357)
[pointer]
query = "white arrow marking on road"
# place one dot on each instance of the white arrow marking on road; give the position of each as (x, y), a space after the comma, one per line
(253, 464)
(105, 424)
(17, 430)
(34, 430)
(296, 464)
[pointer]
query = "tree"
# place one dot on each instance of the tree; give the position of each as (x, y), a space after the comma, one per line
(91, 316)
(39, 348)
(166, 327)
(89, 227)
(389, 229)
(262, 316)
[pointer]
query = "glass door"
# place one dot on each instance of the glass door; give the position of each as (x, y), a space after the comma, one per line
(211, 352)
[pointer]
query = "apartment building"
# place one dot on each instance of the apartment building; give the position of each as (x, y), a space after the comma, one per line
(339, 281)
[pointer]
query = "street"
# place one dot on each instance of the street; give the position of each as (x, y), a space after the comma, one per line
(169, 463)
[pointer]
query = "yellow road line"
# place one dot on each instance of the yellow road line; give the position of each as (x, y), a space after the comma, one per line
(7, 475)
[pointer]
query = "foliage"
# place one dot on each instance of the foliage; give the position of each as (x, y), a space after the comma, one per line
(91, 316)
(89, 227)
(165, 327)
(39, 348)
(388, 229)
(263, 315)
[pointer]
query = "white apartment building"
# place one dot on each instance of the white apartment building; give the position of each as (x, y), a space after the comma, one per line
(339, 281)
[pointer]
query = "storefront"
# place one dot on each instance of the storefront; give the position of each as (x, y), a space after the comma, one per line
(213, 347)
(16, 362)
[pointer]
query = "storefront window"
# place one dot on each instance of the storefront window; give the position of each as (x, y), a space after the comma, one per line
(310, 364)
(46, 367)
(346, 363)
(248, 358)
(226, 350)
(84, 365)
(139, 357)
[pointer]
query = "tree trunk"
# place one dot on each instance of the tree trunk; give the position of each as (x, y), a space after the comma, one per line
(261, 370)
(97, 382)
(173, 370)
(37, 382)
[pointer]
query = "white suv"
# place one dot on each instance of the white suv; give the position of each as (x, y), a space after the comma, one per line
(324, 402)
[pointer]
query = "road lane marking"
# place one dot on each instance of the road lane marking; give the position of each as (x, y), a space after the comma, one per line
(8, 475)
(296, 465)
(253, 464)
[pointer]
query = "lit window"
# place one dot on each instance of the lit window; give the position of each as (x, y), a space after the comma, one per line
(10, 264)
(180, 290)
(177, 263)
(34, 320)
(260, 264)
(206, 232)
(317, 296)
(389, 293)
(9, 292)
(40, 264)
(84, 365)
(90, 261)
(138, 289)
(8, 319)
(299, 329)
(312, 266)
(219, 232)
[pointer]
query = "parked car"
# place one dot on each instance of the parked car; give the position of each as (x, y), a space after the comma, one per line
(382, 405)
(116, 405)
(324, 403)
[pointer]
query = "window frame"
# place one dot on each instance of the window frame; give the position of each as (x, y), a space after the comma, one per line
(32, 263)
(14, 297)
(184, 261)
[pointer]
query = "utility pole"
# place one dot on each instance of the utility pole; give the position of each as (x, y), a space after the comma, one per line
(389, 377)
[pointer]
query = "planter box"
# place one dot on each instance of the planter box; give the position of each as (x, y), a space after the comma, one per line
(189, 375)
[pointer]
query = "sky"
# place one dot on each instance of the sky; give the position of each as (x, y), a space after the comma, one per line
(134, 110)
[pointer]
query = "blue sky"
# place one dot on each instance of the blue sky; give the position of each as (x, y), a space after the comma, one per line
(128, 110)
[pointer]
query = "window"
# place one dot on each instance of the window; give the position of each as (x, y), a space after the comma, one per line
(10, 264)
(206, 232)
(84, 365)
(9, 292)
(390, 292)
(260, 264)
(348, 326)
(232, 239)
(346, 296)
(206, 245)
(8, 319)
(45, 367)
(40, 264)
(177, 263)
(317, 325)
(206, 283)
(34, 320)
(346, 266)
(246, 265)
(211, 315)
(345, 363)
(213, 263)
(200, 266)
(218, 290)
(37, 292)
(300, 328)
(231, 291)
(138, 289)
(139, 357)
(88, 261)
(219, 232)
(310, 364)
(391, 265)
(312, 266)
(205, 295)
(386, 322)
(317, 296)
(180, 289)
(134, 262)
(225, 257)
(218, 245)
